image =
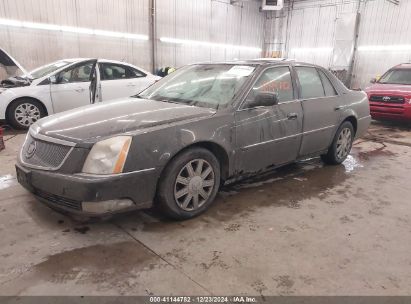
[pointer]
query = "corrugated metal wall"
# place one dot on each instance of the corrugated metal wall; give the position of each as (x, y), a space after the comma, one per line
(36, 47)
(311, 24)
(382, 23)
(205, 20)
(208, 20)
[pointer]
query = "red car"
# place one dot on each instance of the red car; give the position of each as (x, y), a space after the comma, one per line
(390, 96)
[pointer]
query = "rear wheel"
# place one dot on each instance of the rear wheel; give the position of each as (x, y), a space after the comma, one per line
(341, 145)
(189, 184)
(24, 112)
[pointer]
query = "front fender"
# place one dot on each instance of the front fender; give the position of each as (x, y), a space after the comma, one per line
(155, 148)
(40, 93)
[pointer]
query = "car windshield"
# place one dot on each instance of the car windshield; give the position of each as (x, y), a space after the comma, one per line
(203, 85)
(48, 68)
(398, 76)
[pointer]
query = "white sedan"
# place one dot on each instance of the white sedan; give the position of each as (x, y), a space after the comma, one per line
(64, 85)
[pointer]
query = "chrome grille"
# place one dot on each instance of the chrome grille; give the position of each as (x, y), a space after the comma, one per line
(43, 154)
(387, 99)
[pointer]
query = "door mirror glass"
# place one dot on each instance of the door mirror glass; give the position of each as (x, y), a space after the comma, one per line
(264, 99)
(53, 79)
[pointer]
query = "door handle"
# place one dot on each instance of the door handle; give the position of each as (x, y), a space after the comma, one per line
(131, 85)
(291, 116)
(338, 108)
(80, 90)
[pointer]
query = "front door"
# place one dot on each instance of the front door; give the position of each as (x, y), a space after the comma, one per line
(321, 105)
(72, 87)
(269, 136)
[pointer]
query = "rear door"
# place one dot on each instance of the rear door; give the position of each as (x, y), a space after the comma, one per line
(72, 88)
(321, 105)
(267, 136)
(118, 81)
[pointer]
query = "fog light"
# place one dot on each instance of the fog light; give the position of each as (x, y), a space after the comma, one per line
(107, 206)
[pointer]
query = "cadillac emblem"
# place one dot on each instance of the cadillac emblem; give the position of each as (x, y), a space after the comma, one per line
(31, 149)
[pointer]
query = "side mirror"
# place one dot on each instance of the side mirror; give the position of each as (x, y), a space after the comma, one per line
(264, 99)
(53, 79)
(373, 80)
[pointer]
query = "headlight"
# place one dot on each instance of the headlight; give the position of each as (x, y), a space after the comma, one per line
(108, 156)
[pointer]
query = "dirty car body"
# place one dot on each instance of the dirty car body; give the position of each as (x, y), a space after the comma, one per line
(225, 129)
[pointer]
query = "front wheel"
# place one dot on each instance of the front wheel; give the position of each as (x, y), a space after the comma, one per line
(341, 145)
(24, 112)
(189, 184)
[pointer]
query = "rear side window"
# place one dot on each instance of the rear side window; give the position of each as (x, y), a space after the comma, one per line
(112, 71)
(134, 73)
(275, 80)
(310, 82)
(328, 87)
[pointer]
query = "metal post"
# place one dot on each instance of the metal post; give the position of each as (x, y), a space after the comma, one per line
(153, 36)
(287, 33)
(356, 34)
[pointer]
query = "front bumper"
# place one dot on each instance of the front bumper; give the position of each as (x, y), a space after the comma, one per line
(68, 192)
(390, 111)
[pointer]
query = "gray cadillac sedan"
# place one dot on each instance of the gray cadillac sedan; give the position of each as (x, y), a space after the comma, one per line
(175, 143)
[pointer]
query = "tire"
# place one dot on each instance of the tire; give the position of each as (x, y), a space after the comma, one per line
(341, 145)
(177, 199)
(23, 112)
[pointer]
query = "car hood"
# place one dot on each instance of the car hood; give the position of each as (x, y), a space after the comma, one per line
(396, 89)
(10, 65)
(93, 122)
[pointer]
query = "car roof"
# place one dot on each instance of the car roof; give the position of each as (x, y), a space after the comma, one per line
(403, 66)
(263, 61)
(73, 60)
(99, 60)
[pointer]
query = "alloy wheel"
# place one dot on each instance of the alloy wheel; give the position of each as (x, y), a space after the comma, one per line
(194, 184)
(344, 143)
(26, 114)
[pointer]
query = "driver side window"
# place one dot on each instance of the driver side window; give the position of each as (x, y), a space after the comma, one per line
(79, 73)
(274, 80)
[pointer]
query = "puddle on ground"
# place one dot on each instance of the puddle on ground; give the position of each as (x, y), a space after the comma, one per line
(107, 264)
(116, 268)
(7, 181)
